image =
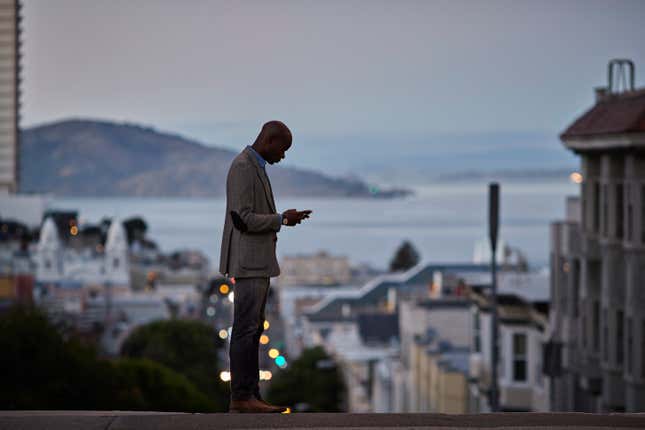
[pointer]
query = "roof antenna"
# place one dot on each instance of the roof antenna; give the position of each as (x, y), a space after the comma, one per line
(623, 80)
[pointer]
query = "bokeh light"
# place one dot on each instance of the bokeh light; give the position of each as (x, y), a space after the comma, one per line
(264, 339)
(273, 353)
(576, 177)
(280, 361)
(225, 376)
(231, 296)
(224, 289)
(223, 334)
(266, 325)
(210, 311)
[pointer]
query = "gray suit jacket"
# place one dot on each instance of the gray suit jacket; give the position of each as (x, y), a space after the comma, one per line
(248, 193)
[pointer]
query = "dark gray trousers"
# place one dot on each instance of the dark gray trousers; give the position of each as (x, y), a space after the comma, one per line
(248, 324)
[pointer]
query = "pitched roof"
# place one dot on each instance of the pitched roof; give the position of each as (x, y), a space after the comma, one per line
(613, 114)
(330, 308)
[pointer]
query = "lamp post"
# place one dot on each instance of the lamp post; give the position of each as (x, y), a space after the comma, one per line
(493, 227)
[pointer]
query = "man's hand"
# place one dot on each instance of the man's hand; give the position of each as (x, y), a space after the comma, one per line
(294, 217)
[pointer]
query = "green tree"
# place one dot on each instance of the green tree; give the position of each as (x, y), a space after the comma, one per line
(39, 369)
(312, 382)
(153, 387)
(405, 257)
(187, 347)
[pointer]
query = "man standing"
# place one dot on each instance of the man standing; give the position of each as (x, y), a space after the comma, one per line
(248, 254)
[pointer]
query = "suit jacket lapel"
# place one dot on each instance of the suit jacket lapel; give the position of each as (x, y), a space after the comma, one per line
(264, 179)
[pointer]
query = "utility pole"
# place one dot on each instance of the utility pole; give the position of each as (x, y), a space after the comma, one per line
(493, 227)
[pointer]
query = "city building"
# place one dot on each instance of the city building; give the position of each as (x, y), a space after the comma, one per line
(435, 346)
(413, 371)
(598, 259)
(360, 347)
(317, 269)
(55, 261)
(9, 95)
(293, 303)
(523, 331)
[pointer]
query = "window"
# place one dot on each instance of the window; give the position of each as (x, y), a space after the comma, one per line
(605, 335)
(596, 325)
(605, 209)
(642, 213)
(643, 349)
(500, 354)
(576, 288)
(583, 206)
(519, 357)
(583, 328)
(619, 211)
(630, 345)
(620, 337)
(539, 370)
(596, 207)
(477, 346)
(630, 212)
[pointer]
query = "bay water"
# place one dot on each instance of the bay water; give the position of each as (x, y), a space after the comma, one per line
(443, 221)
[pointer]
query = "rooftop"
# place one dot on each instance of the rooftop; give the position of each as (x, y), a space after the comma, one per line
(612, 114)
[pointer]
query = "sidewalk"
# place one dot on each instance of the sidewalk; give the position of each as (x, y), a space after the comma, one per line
(120, 420)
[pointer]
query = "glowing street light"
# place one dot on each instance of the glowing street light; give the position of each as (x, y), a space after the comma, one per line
(265, 375)
(273, 353)
(225, 376)
(281, 361)
(576, 177)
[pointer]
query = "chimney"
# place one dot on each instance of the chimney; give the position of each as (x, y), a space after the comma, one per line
(601, 93)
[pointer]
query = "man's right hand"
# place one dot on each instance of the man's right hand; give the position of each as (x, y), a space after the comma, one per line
(294, 217)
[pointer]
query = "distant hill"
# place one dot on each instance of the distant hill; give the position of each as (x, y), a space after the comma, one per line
(99, 158)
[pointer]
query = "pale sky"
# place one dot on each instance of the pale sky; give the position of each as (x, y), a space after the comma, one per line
(216, 71)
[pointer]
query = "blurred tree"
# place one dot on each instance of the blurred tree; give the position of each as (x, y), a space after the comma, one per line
(311, 383)
(153, 387)
(39, 369)
(135, 229)
(188, 347)
(405, 258)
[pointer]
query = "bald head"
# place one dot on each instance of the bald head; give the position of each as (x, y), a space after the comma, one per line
(273, 141)
(273, 129)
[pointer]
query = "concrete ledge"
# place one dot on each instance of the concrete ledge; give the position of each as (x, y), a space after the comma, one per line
(120, 420)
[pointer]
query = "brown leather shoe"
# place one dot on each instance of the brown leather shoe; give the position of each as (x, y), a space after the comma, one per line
(253, 406)
(277, 408)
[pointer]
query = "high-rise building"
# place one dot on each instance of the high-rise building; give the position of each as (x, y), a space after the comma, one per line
(598, 258)
(9, 94)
